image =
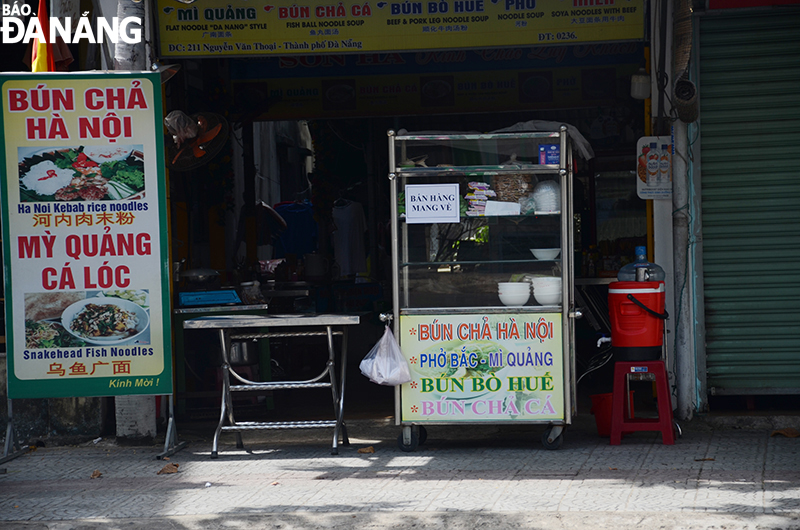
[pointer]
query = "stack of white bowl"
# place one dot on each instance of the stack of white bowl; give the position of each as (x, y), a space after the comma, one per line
(514, 293)
(546, 289)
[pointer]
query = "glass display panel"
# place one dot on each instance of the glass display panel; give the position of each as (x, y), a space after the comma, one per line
(462, 264)
(419, 151)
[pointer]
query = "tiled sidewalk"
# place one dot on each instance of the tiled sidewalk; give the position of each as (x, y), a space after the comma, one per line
(467, 469)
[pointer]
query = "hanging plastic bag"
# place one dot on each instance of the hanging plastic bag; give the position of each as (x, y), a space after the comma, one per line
(385, 364)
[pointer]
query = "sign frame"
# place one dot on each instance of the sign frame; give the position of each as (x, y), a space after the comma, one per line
(134, 100)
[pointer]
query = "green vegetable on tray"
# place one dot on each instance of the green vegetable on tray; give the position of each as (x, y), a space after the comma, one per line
(66, 159)
(120, 171)
(45, 334)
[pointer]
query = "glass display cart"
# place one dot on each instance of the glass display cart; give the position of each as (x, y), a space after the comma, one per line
(483, 283)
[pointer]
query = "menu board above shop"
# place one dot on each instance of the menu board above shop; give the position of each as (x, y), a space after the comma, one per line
(213, 28)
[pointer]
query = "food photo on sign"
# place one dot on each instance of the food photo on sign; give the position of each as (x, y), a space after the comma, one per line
(77, 318)
(81, 173)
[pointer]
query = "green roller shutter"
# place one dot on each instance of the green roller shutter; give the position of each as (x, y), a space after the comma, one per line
(749, 89)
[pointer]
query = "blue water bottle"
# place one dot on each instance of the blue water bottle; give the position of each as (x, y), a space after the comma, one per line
(647, 272)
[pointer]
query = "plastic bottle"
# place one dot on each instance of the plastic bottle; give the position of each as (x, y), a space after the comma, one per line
(653, 159)
(654, 272)
(591, 268)
(664, 165)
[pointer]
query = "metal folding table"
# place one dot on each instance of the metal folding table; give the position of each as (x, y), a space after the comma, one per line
(236, 327)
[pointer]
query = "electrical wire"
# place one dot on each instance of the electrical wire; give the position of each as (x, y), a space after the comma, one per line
(597, 361)
(343, 139)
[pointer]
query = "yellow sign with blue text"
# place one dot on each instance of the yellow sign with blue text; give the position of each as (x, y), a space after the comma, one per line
(212, 28)
(483, 368)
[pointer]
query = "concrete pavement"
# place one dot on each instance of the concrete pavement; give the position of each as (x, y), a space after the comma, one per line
(717, 475)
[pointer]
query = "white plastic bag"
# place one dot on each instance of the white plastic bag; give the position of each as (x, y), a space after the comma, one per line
(385, 364)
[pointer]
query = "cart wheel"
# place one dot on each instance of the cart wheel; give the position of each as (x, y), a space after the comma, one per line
(423, 434)
(410, 448)
(555, 443)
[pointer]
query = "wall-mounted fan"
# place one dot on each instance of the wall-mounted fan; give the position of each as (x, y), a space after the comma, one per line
(196, 139)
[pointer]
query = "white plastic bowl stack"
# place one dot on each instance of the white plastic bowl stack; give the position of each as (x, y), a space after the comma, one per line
(514, 293)
(547, 196)
(546, 289)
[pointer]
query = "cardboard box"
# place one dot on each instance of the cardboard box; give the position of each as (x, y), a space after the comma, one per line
(549, 154)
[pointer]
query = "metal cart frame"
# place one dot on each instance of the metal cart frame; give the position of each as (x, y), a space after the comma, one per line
(413, 432)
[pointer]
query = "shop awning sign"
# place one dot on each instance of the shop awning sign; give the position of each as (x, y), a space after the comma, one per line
(84, 223)
(214, 28)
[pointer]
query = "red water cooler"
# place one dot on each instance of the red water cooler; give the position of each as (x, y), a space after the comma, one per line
(637, 314)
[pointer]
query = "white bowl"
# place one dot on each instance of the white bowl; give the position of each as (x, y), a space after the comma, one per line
(546, 284)
(547, 290)
(502, 286)
(514, 291)
(547, 299)
(514, 299)
(545, 279)
(142, 317)
(515, 296)
(546, 253)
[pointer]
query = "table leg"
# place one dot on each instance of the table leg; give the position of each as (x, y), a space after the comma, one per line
(224, 336)
(222, 414)
(226, 406)
(334, 391)
(343, 372)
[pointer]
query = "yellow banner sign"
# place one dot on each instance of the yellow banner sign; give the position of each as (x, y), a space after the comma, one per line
(473, 368)
(83, 196)
(210, 28)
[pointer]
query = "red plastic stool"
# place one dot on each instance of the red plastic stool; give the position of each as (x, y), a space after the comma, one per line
(621, 420)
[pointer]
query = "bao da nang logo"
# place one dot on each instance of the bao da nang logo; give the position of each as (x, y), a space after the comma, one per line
(15, 29)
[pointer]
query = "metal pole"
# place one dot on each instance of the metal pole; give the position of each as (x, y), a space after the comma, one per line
(685, 369)
(565, 175)
(395, 259)
(11, 441)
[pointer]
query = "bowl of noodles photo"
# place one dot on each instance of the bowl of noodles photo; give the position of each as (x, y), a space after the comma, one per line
(105, 320)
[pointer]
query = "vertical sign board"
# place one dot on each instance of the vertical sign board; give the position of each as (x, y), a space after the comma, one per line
(654, 167)
(84, 245)
(483, 368)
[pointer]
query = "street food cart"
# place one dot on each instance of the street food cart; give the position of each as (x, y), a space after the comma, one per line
(483, 280)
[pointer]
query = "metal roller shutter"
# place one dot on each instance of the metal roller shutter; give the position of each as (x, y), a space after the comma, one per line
(749, 89)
